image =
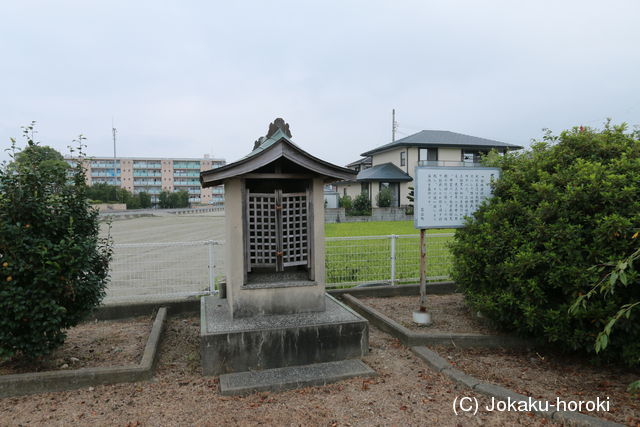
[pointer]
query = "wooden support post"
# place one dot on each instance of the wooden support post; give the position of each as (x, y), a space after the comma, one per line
(423, 271)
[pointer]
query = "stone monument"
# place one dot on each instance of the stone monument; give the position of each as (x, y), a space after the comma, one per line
(276, 312)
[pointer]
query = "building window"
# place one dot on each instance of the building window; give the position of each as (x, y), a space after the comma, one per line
(364, 188)
(403, 158)
(429, 154)
(472, 156)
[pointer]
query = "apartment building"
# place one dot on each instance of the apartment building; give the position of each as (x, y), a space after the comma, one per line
(155, 175)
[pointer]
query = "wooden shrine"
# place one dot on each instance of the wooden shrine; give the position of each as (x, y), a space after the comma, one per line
(274, 222)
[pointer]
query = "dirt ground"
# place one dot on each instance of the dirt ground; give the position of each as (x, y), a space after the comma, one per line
(550, 375)
(448, 313)
(92, 345)
(405, 393)
(540, 374)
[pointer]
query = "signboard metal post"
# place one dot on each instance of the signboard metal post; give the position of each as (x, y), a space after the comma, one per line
(444, 196)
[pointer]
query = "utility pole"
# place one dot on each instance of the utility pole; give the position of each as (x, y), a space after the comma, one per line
(113, 132)
(394, 125)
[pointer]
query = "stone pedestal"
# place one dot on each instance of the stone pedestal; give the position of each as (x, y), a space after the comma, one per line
(265, 342)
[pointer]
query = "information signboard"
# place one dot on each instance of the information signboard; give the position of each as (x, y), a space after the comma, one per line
(445, 195)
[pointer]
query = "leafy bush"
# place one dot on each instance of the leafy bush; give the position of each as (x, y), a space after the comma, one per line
(345, 202)
(383, 199)
(411, 197)
(178, 199)
(571, 202)
(53, 265)
(361, 206)
(105, 193)
(623, 273)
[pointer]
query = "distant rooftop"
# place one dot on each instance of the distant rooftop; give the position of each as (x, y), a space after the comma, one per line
(443, 138)
(365, 160)
(386, 172)
(145, 158)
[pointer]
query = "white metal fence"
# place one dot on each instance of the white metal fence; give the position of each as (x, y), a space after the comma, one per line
(147, 271)
(385, 259)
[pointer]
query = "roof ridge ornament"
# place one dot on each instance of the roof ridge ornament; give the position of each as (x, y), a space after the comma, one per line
(278, 123)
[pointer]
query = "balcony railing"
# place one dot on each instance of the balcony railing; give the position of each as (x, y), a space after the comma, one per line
(106, 181)
(185, 183)
(186, 165)
(146, 165)
(104, 173)
(103, 165)
(154, 190)
(146, 173)
(448, 163)
(150, 183)
(183, 174)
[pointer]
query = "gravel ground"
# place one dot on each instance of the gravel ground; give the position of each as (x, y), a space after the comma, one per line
(542, 374)
(92, 344)
(549, 375)
(405, 393)
(448, 313)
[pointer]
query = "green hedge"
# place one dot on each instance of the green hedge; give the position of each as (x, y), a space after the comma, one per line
(570, 203)
(53, 265)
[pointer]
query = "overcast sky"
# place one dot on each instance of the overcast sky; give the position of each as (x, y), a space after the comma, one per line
(186, 78)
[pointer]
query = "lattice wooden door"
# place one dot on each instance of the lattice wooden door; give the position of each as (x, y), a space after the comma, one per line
(295, 239)
(277, 230)
(262, 230)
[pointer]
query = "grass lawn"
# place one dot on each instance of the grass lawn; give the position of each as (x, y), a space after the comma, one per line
(365, 260)
(375, 228)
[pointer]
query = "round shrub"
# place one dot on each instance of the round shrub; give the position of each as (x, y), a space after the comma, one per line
(345, 202)
(384, 198)
(361, 206)
(569, 204)
(53, 265)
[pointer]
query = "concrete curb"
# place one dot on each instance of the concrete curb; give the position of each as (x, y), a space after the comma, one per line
(411, 338)
(192, 305)
(50, 381)
(440, 365)
(396, 290)
(126, 310)
(292, 377)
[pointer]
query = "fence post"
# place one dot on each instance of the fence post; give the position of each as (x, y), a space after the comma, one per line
(212, 269)
(393, 258)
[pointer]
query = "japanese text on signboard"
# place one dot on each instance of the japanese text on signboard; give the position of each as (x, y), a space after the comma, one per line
(445, 195)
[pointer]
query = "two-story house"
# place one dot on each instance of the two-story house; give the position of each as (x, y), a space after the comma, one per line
(393, 164)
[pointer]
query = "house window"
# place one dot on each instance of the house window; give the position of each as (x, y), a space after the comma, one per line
(430, 154)
(403, 158)
(472, 156)
(364, 188)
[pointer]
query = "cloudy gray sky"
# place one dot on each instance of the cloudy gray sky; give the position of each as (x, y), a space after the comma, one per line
(184, 78)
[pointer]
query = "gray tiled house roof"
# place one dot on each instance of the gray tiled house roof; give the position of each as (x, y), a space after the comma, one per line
(386, 172)
(443, 138)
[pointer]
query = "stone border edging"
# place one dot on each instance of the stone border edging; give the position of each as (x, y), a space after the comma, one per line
(384, 290)
(411, 338)
(134, 309)
(438, 364)
(192, 305)
(50, 381)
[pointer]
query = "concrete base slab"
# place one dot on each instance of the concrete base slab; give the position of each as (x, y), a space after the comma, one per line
(266, 342)
(291, 377)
